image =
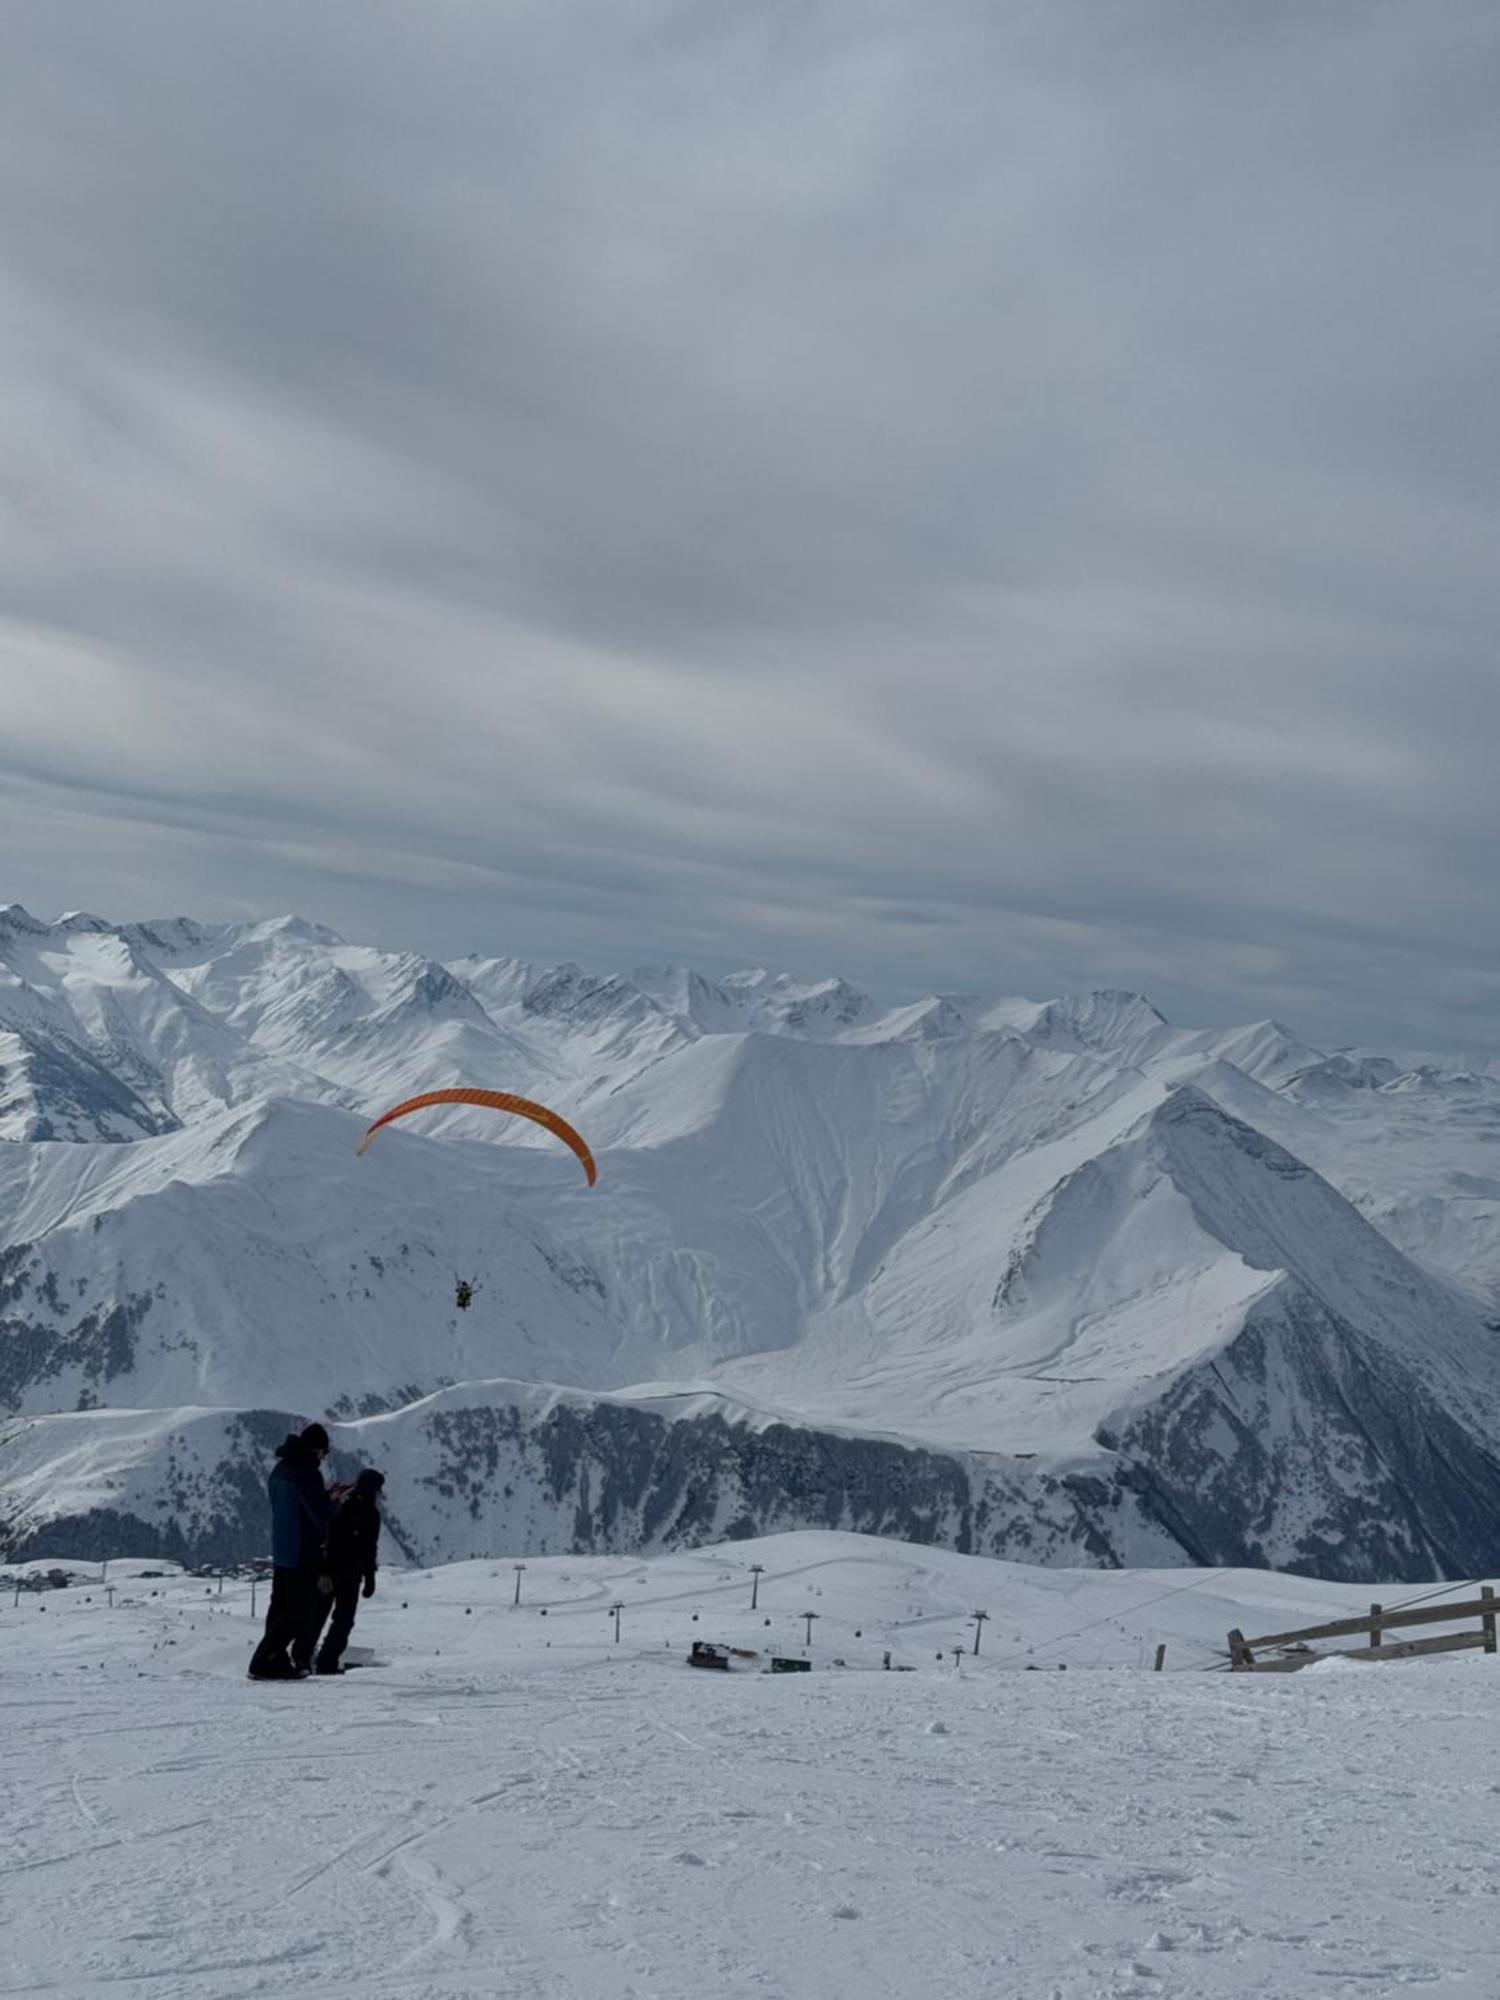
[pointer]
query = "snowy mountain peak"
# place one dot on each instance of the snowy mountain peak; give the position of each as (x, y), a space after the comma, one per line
(1110, 1021)
(291, 926)
(691, 998)
(428, 988)
(607, 1016)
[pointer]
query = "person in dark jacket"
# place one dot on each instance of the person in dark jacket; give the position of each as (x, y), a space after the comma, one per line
(353, 1543)
(300, 1513)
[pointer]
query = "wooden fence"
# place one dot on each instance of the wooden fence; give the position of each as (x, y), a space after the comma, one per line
(1294, 1649)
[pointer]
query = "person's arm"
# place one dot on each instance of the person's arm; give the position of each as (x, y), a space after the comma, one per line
(372, 1544)
(317, 1510)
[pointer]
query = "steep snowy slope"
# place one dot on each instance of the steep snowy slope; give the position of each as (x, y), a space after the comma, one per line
(251, 1259)
(1417, 1152)
(1047, 1300)
(98, 1042)
(257, 1260)
(1094, 1280)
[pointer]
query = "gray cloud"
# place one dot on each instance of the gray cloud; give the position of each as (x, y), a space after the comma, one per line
(962, 496)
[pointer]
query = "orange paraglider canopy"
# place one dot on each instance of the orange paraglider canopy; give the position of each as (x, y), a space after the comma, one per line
(493, 1100)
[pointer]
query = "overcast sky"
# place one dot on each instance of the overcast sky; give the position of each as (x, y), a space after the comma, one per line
(995, 496)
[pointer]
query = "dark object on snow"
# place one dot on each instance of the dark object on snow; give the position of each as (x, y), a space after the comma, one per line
(463, 1294)
(353, 1542)
(300, 1510)
(779, 1666)
(705, 1655)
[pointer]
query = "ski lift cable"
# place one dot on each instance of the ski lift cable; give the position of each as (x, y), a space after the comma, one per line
(1109, 1618)
(1469, 1583)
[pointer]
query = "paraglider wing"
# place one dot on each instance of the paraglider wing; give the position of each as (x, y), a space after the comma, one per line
(493, 1100)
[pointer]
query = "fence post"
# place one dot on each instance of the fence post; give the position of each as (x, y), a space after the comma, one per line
(1487, 1620)
(1239, 1653)
(1375, 1611)
(1161, 1654)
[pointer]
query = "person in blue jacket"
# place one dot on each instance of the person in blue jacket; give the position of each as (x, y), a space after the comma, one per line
(300, 1512)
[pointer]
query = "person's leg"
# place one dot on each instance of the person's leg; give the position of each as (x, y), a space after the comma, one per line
(283, 1620)
(345, 1607)
(316, 1605)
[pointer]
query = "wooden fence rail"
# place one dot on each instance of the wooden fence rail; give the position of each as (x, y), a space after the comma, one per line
(1245, 1654)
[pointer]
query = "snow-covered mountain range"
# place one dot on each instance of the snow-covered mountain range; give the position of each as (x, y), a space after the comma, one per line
(1053, 1280)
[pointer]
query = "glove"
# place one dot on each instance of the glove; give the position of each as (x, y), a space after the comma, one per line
(369, 1589)
(325, 1584)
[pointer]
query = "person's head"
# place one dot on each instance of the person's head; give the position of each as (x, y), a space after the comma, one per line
(316, 1440)
(369, 1483)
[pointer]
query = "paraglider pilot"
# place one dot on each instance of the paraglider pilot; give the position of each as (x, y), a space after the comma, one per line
(353, 1542)
(463, 1295)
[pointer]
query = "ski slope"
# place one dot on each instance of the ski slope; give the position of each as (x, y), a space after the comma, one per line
(518, 1805)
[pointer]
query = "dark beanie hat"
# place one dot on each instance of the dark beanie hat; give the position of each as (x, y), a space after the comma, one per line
(316, 1437)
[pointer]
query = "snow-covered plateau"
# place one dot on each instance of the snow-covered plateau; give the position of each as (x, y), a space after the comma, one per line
(1053, 1281)
(517, 1802)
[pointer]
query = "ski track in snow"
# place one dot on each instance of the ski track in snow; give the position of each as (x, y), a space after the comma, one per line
(518, 1806)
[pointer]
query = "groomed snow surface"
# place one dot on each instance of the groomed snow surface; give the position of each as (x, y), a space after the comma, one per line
(516, 1804)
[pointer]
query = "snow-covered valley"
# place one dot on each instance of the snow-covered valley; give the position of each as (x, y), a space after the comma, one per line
(1055, 1281)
